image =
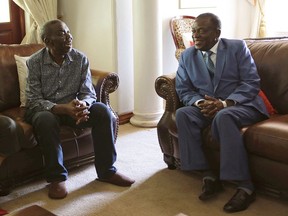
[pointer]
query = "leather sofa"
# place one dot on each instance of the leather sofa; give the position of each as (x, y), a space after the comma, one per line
(27, 163)
(266, 141)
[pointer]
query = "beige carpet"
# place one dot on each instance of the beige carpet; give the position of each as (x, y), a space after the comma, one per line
(157, 191)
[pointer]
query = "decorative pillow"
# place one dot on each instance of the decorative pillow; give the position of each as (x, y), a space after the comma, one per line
(22, 76)
(187, 39)
(267, 103)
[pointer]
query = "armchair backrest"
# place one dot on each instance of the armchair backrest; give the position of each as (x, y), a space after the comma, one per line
(178, 26)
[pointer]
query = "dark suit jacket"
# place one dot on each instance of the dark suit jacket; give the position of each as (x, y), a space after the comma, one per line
(235, 78)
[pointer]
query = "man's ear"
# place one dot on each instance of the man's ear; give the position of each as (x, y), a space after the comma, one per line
(218, 32)
(46, 40)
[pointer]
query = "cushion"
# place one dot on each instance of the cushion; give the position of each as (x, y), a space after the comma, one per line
(267, 103)
(187, 39)
(22, 76)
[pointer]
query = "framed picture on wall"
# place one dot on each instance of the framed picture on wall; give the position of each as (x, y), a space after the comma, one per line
(186, 4)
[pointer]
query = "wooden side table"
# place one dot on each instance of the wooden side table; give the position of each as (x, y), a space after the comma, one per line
(33, 210)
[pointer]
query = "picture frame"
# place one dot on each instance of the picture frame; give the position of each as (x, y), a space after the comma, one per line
(188, 4)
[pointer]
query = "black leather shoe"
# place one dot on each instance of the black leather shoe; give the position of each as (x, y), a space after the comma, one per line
(239, 202)
(210, 189)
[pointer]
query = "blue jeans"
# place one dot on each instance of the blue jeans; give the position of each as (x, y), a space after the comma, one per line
(47, 130)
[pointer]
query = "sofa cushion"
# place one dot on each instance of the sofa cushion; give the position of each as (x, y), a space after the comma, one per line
(269, 138)
(9, 91)
(71, 138)
(22, 76)
(271, 59)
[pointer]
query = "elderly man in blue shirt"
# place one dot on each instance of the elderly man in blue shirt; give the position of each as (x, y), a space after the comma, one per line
(60, 92)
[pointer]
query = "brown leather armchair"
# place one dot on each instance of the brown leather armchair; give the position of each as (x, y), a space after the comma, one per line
(27, 163)
(266, 141)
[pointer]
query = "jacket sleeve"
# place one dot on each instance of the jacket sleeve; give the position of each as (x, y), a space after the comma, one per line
(185, 89)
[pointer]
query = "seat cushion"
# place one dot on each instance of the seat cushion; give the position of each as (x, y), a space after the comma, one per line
(75, 142)
(269, 139)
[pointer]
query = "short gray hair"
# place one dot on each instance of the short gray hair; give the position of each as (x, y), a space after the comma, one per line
(45, 30)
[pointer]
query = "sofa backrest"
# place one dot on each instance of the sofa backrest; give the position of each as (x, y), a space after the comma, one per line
(271, 58)
(9, 85)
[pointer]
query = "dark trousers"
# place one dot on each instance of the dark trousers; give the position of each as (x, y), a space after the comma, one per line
(47, 129)
(225, 128)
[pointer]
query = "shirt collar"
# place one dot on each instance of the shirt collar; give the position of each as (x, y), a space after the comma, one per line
(213, 49)
(49, 60)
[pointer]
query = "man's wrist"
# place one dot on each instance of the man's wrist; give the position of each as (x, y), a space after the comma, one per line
(227, 103)
(230, 102)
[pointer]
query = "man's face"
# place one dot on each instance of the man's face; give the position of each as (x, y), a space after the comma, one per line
(59, 39)
(205, 35)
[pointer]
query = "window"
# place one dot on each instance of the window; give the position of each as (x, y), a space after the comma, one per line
(5, 11)
(276, 17)
(12, 23)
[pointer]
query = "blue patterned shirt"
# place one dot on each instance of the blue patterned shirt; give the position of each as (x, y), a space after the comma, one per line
(49, 84)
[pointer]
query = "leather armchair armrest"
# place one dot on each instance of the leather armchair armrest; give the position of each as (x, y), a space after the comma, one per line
(165, 88)
(104, 83)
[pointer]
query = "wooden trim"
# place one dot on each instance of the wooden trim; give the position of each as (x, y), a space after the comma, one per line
(125, 118)
(22, 23)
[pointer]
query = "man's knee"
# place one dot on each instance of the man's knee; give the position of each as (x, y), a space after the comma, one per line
(179, 114)
(187, 111)
(9, 142)
(100, 110)
(7, 125)
(223, 116)
(44, 119)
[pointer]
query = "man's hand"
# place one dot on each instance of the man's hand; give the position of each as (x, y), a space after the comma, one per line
(81, 112)
(210, 106)
(76, 109)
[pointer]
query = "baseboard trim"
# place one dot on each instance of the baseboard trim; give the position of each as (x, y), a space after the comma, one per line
(125, 118)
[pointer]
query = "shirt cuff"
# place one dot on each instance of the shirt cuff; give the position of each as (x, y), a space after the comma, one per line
(224, 103)
(49, 106)
(197, 102)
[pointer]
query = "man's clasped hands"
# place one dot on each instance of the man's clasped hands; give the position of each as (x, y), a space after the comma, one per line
(77, 109)
(210, 106)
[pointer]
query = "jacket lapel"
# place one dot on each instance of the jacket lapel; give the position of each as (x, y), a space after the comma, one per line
(221, 60)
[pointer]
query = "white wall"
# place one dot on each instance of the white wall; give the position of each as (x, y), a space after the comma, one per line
(103, 30)
(92, 25)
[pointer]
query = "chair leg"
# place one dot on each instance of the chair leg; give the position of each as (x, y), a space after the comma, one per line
(170, 161)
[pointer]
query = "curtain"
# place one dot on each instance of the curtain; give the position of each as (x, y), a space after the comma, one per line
(40, 11)
(258, 24)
